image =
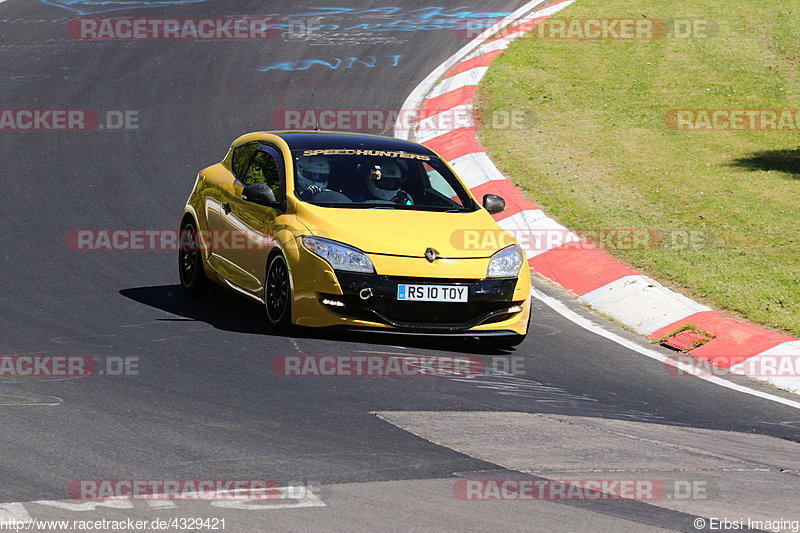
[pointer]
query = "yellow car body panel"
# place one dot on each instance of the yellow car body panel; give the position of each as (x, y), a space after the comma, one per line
(394, 240)
(443, 231)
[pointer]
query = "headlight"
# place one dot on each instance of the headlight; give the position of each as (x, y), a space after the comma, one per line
(339, 256)
(506, 263)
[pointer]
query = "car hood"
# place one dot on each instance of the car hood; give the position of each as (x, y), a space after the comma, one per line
(407, 233)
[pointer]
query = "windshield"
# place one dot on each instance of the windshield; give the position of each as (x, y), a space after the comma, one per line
(351, 178)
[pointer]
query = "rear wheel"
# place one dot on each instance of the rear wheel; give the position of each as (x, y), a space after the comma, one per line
(190, 260)
(278, 294)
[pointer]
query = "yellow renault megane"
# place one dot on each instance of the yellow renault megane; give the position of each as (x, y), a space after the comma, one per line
(334, 229)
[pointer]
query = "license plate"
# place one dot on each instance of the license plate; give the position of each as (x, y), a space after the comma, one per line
(432, 293)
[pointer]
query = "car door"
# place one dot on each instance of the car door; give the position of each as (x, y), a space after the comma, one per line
(251, 227)
(218, 205)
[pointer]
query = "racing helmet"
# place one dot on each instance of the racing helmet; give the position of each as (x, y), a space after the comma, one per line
(383, 180)
(312, 171)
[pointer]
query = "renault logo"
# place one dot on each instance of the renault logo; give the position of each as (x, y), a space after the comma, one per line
(431, 255)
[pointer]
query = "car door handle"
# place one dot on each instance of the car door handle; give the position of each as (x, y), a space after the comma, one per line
(227, 208)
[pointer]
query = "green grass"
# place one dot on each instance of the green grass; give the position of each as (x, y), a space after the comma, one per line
(600, 154)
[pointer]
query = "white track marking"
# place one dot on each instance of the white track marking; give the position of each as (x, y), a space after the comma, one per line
(469, 77)
(641, 303)
(309, 499)
(788, 352)
(476, 169)
(597, 329)
(14, 513)
(447, 120)
(58, 401)
(492, 46)
(536, 232)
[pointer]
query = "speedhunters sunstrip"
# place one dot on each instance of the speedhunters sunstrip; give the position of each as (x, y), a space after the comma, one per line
(332, 229)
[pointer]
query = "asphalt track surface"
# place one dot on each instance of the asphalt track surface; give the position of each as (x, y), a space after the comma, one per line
(206, 404)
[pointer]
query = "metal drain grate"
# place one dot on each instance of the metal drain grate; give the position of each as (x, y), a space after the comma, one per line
(686, 339)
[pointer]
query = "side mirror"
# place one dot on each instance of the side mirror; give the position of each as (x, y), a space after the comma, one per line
(261, 194)
(494, 204)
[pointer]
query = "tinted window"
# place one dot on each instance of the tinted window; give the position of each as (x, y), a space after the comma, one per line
(440, 184)
(355, 178)
(241, 157)
(264, 169)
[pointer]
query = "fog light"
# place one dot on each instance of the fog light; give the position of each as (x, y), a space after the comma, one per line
(333, 303)
(515, 309)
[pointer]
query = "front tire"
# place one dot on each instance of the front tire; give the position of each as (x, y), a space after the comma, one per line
(278, 294)
(190, 260)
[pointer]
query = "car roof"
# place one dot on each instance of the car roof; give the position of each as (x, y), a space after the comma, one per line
(305, 140)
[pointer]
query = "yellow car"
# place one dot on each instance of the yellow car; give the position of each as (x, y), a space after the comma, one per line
(362, 231)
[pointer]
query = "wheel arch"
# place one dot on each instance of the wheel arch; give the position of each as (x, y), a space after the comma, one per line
(188, 216)
(277, 250)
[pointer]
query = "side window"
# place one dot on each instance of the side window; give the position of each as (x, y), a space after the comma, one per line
(241, 157)
(264, 169)
(440, 185)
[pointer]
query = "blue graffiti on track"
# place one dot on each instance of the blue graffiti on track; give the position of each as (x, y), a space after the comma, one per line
(398, 19)
(336, 63)
(89, 7)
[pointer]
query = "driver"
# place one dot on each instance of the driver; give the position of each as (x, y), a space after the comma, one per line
(313, 173)
(383, 183)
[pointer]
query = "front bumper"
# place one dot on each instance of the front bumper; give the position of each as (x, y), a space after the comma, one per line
(487, 312)
(372, 298)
